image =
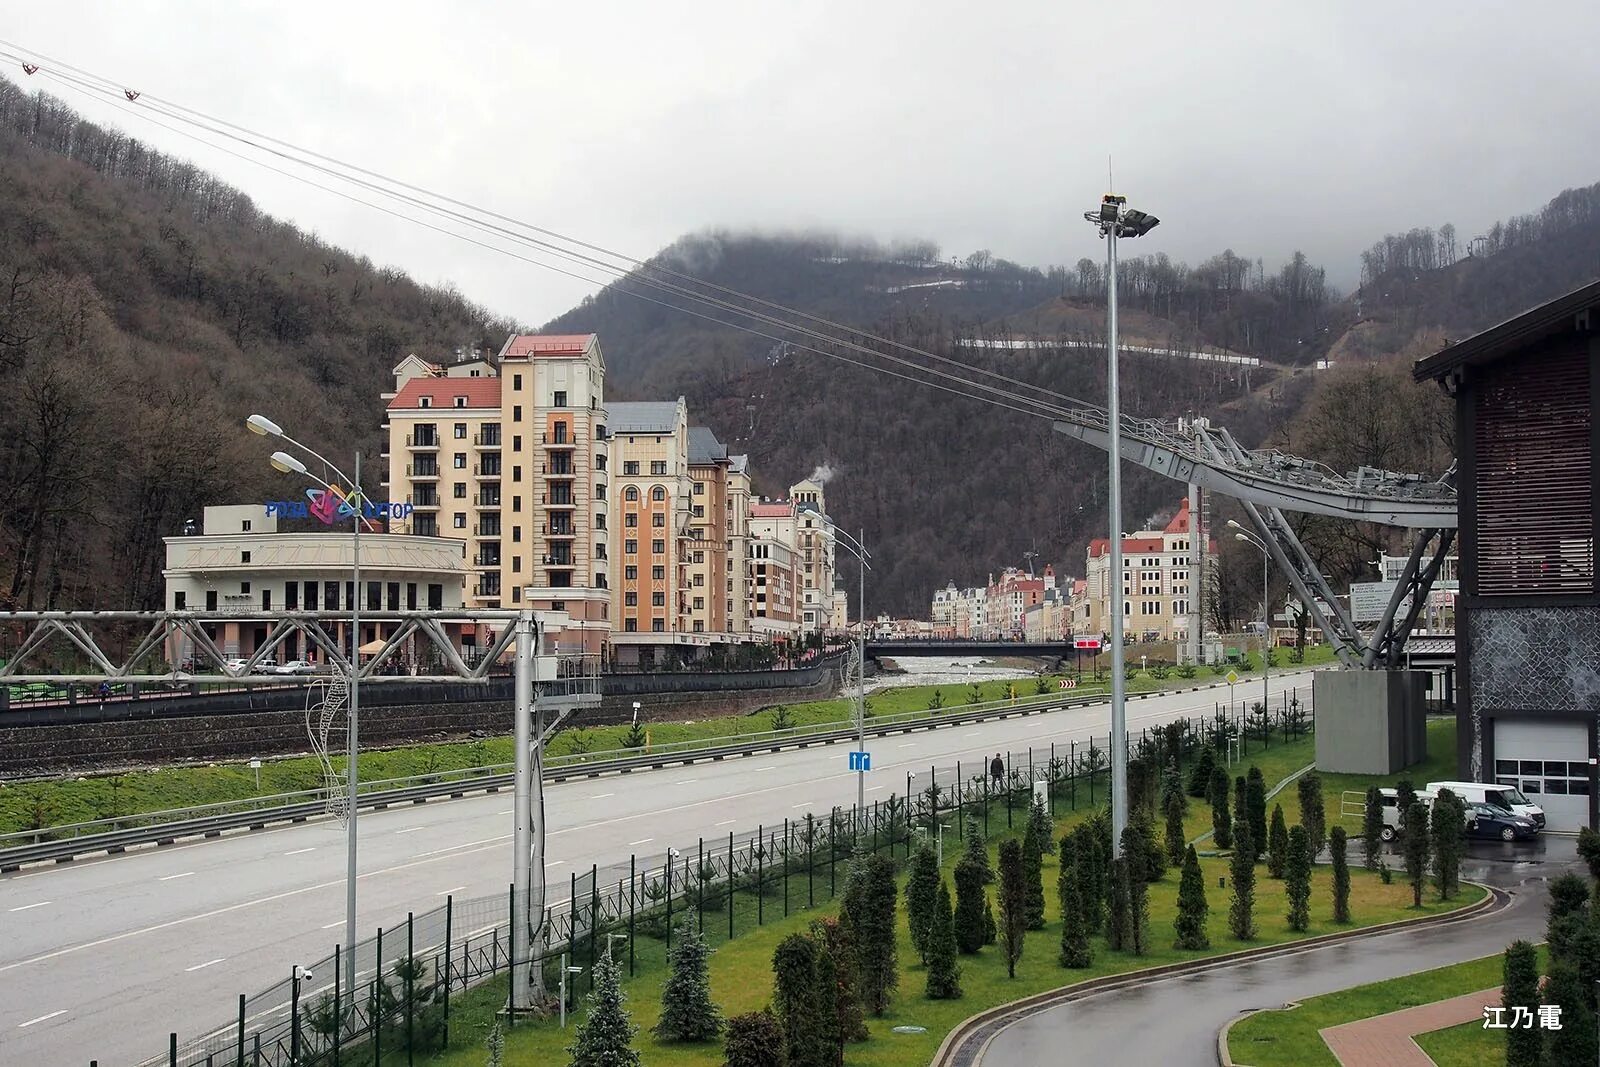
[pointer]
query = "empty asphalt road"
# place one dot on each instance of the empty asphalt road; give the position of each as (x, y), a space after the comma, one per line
(102, 958)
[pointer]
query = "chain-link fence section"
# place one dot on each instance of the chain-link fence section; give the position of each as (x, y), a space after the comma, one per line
(405, 975)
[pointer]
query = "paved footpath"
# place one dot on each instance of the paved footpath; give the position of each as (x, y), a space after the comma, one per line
(1386, 1040)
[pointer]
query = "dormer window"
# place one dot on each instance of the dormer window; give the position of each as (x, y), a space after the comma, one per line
(461, 401)
(424, 401)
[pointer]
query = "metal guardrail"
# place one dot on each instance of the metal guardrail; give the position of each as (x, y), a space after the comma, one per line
(215, 819)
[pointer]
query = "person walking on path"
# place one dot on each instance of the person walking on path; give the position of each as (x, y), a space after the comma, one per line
(997, 769)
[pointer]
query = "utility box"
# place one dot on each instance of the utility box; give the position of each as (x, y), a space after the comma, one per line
(1370, 722)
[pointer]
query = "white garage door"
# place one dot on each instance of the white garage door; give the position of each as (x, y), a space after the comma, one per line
(1549, 761)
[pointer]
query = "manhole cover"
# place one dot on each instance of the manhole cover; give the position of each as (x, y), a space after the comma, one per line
(911, 1029)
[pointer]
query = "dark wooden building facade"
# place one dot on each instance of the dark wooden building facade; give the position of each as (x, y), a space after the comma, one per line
(1528, 617)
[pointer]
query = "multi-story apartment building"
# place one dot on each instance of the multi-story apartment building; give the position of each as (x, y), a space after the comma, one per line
(1155, 582)
(1009, 599)
(511, 455)
(711, 564)
(943, 613)
(776, 600)
(654, 595)
(801, 523)
(737, 584)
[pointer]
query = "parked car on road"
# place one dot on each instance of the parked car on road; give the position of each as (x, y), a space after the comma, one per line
(1500, 796)
(294, 666)
(1495, 822)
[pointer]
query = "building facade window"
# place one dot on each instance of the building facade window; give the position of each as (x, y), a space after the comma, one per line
(658, 466)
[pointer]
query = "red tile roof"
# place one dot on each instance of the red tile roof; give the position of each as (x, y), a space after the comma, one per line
(771, 511)
(1100, 546)
(1180, 521)
(528, 345)
(441, 393)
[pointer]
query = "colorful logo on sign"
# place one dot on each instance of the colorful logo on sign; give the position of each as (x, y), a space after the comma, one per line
(334, 505)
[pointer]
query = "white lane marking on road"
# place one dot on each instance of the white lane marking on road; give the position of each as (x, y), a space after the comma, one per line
(42, 1018)
(641, 841)
(228, 910)
(727, 822)
(447, 892)
(27, 907)
(508, 811)
(802, 804)
(602, 796)
(908, 744)
(687, 781)
(873, 788)
(410, 829)
(330, 926)
(170, 877)
(771, 768)
(555, 863)
(465, 844)
(207, 963)
(301, 851)
(975, 733)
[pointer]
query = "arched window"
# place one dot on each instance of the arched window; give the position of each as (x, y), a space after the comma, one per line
(631, 493)
(658, 493)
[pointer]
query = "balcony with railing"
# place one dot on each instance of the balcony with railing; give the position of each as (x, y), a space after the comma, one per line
(558, 440)
(486, 470)
(487, 528)
(557, 528)
(486, 440)
(421, 500)
(560, 465)
(422, 470)
(487, 589)
(487, 499)
(421, 441)
(559, 496)
(486, 559)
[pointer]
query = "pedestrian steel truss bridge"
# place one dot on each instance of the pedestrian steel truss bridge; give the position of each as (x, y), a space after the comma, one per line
(1268, 483)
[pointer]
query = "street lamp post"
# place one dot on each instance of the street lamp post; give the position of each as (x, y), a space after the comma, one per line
(856, 546)
(284, 462)
(1114, 219)
(1266, 610)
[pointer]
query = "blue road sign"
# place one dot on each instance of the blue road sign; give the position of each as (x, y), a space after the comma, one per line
(861, 761)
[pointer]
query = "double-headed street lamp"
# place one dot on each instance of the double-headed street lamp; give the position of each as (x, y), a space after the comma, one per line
(1115, 219)
(856, 547)
(1241, 534)
(289, 464)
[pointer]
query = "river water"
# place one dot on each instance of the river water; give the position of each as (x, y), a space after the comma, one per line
(947, 670)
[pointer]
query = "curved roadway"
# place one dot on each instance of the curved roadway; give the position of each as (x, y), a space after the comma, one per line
(1174, 1021)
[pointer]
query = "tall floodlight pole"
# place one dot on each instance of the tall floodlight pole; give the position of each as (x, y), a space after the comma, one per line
(527, 983)
(1266, 611)
(288, 464)
(1115, 220)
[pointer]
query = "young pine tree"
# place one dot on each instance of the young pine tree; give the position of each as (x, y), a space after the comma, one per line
(1417, 850)
(605, 1037)
(1405, 796)
(1175, 805)
(1201, 774)
(1297, 878)
(1075, 950)
(1277, 843)
(1033, 842)
(1313, 811)
(1092, 888)
(1256, 805)
(1448, 831)
(1119, 917)
(991, 930)
(1013, 903)
(1372, 829)
(1566, 990)
(1221, 818)
(1138, 914)
(922, 886)
(1242, 873)
(687, 1013)
(851, 1025)
(1520, 988)
(1141, 842)
(944, 975)
(1341, 875)
(868, 915)
(1043, 825)
(971, 901)
(754, 1040)
(1191, 921)
(803, 997)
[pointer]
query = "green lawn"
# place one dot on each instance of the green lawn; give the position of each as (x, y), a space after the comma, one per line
(1467, 1045)
(1291, 1039)
(741, 970)
(57, 802)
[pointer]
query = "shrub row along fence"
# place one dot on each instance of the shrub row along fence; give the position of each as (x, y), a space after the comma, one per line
(406, 975)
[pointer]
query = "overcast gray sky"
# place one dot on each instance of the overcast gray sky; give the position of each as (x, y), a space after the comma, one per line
(1260, 126)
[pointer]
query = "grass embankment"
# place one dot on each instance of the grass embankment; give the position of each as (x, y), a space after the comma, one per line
(57, 802)
(1290, 1038)
(741, 979)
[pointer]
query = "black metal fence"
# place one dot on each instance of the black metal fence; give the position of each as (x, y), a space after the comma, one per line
(406, 975)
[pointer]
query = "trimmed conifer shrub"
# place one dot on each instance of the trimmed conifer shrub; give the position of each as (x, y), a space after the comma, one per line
(1190, 923)
(944, 974)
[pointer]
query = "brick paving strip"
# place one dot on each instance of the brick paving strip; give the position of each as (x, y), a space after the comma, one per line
(1386, 1040)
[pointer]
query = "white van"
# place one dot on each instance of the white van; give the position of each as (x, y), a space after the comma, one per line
(1391, 810)
(1504, 796)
